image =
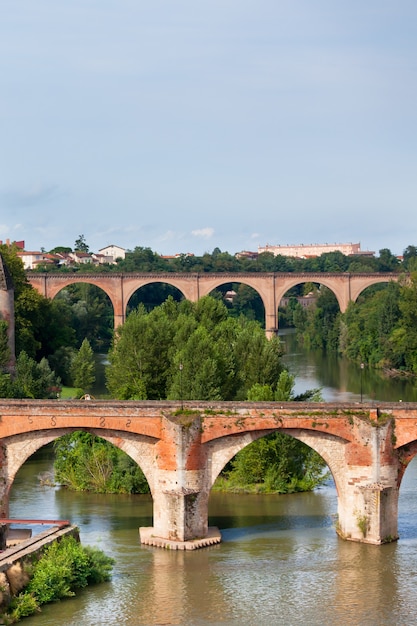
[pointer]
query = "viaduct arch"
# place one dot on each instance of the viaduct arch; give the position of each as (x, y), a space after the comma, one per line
(183, 447)
(271, 287)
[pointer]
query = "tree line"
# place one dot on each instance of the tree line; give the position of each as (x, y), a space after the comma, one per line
(211, 349)
(379, 330)
(144, 259)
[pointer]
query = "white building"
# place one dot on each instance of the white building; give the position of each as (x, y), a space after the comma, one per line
(304, 251)
(113, 252)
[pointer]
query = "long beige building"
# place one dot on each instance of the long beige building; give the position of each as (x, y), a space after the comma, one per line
(304, 251)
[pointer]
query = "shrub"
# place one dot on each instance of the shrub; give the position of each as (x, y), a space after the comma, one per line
(64, 567)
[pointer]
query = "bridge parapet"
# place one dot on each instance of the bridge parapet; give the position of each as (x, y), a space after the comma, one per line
(182, 447)
(271, 286)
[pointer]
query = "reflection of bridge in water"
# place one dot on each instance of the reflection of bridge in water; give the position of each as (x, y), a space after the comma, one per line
(182, 449)
(271, 287)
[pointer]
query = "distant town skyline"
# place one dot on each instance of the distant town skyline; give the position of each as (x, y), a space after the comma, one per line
(187, 126)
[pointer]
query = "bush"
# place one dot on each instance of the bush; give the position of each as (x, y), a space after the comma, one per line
(64, 567)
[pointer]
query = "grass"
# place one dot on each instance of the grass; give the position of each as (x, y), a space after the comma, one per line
(70, 393)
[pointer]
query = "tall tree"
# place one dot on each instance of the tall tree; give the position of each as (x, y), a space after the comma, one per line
(221, 357)
(4, 344)
(81, 245)
(83, 366)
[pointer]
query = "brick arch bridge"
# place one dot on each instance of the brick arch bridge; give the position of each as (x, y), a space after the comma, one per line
(183, 448)
(271, 287)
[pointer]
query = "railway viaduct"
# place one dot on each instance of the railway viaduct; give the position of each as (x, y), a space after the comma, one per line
(271, 287)
(182, 448)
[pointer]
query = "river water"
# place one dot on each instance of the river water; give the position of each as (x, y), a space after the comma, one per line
(280, 561)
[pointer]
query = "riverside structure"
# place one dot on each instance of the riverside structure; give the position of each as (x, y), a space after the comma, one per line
(182, 448)
(271, 287)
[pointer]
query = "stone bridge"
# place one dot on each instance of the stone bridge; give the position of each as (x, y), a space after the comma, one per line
(271, 287)
(182, 448)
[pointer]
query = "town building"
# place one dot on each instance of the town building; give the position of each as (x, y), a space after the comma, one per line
(305, 251)
(112, 252)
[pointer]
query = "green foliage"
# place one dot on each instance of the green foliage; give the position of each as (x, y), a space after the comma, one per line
(84, 462)
(368, 325)
(380, 329)
(285, 386)
(99, 566)
(30, 380)
(89, 314)
(15, 266)
(60, 362)
(64, 567)
(83, 366)
(320, 329)
(4, 344)
(220, 357)
(277, 463)
(23, 605)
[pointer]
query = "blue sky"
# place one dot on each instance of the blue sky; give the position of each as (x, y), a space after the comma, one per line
(184, 126)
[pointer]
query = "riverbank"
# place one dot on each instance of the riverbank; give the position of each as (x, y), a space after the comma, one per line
(16, 562)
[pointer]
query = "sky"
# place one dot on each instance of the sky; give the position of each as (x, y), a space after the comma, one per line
(187, 126)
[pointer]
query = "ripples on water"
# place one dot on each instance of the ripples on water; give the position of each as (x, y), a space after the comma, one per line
(280, 563)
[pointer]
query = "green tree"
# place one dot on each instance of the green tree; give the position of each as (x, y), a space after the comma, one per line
(32, 379)
(84, 462)
(4, 344)
(81, 245)
(221, 357)
(277, 462)
(410, 258)
(83, 367)
(404, 337)
(89, 314)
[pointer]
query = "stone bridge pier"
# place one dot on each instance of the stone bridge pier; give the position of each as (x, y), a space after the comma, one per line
(180, 487)
(182, 448)
(359, 453)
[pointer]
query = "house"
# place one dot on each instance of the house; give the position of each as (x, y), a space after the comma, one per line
(31, 260)
(112, 253)
(80, 257)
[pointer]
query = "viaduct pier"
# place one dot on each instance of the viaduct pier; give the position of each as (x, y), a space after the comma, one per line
(271, 287)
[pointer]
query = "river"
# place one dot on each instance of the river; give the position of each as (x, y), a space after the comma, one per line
(280, 561)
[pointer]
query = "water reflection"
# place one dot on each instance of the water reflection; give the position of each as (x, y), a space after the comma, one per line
(340, 379)
(280, 562)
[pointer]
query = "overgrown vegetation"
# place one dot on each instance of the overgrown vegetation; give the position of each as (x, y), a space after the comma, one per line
(380, 329)
(64, 567)
(214, 349)
(276, 463)
(84, 462)
(191, 351)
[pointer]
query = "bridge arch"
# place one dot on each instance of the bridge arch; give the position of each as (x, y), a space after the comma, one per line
(359, 286)
(17, 449)
(406, 453)
(262, 284)
(51, 288)
(152, 297)
(330, 447)
(320, 279)
(270, 286)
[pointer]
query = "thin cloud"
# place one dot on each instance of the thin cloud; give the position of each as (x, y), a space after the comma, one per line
(35, 195)
(204, 233)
